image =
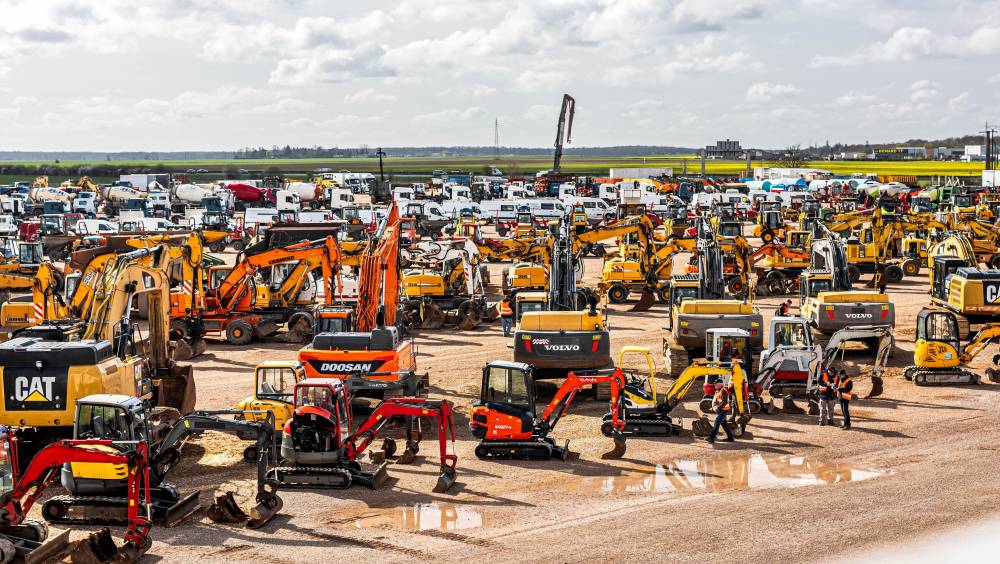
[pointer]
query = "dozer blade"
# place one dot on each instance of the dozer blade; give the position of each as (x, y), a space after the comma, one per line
(446, 480)
(645, 302)
(225, 510)
(50, 550)
(619, 449)
(264, 511)
(183, 509)
(99, 547)
(373, 480)
(877, 389)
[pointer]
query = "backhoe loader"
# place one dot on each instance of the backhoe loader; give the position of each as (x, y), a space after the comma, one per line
(319, 450)
(21, 537)
(96, 491)
(939, 357)
(505, 421)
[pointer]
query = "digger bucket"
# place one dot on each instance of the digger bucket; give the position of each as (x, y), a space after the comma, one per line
(788, 406)
(186, 351)
(50, 550)
(182, 509)
(701, 427)
(876, 387)
(178, 390)
(646, 301)
(409, 453)
(432, 316)
(267, 507)
(446, 480)
(619, 449)
(225, 510)
(99, 547)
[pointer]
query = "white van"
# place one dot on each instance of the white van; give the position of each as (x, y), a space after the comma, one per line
(316, 216)
(739, 200)
(452, 208)
(260, 216)
(286, 200)
(500, 210)
(146, 224)
(597, 209)
(95, 227)
(608, 192)
(457, 192)
(546, 208)
(401, 193)
(567, 190)
(339, 198)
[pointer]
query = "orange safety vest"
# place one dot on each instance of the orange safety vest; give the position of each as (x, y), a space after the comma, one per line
(505, 309)
(722, 400)
(841, 384)
(826, 382)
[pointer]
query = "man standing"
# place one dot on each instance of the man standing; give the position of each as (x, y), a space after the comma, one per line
(785, 309)
(506, 315)
(845, 387)
(826, 394)
(723, 405)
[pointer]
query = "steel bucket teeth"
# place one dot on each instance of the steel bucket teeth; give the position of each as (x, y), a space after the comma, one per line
(99, 547)
(225, 510)
(264, 511)
(446, 480)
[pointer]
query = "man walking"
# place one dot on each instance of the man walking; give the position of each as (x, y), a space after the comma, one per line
(506, 315)
(845, 388)
(826, 394)
(723, 405)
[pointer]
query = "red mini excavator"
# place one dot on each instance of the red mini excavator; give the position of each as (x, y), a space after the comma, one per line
(323, 453)
(505, 421)
(26, 538)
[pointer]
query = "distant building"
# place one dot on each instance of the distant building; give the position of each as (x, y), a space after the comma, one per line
(898, 153)
(727, 149)
(851, 156)
(974, 153)
(948, 153)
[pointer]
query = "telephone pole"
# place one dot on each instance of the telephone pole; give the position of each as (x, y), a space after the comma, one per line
(991, 155)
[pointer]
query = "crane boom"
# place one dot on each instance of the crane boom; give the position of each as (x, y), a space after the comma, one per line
(565, 123)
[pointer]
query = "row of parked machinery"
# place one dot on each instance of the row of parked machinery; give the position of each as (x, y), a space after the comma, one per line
(82, 374)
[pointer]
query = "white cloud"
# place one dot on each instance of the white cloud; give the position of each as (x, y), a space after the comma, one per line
(855, 98)
(449, 115)
(331, 65)
(960, 103)
(542, 112)
(541, 81)
(995, 79)
(908, 44)
(368, 95)
(765, 91)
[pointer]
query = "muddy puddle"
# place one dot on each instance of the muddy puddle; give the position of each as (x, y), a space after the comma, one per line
(416, 517)
(731, 473)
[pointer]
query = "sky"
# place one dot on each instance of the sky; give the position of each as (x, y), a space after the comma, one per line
(121, 75)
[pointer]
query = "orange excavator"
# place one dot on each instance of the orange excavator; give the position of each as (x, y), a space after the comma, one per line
(235, 306)
(28, 539)
(504, 418)
(364, 346)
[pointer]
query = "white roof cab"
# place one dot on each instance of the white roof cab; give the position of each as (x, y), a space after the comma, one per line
(595, 208)
(315, 216)
(452, 208)
(260, 216)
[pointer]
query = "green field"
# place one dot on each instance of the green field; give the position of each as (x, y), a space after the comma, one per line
(511, 165)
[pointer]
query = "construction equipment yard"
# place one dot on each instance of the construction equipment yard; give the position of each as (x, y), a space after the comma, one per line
(919, 462)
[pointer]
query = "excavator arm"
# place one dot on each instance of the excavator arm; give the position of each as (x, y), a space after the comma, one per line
(441, 410)
(990, 333)
(576, 381)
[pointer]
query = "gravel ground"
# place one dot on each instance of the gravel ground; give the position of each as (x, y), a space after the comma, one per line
(918, 461)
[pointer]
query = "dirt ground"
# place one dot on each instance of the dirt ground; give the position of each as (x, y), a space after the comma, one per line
(918, 460)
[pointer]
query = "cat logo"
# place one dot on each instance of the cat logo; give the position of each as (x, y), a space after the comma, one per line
(34, 388)
(992, 293)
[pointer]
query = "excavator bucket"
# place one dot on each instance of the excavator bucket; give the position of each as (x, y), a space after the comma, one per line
(446, 480)
(186, 351)
(50, 550)
(225, 510)
(177, 390)
(266, 508)
(182, 509)
(619, 449)
(701, 427)
(876, 390)
(409, 453)
(645, 302)
(99, 547)
(433, 317)
(788, 406)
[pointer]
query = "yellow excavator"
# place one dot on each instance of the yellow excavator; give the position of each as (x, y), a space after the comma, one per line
(939, 357)
(958, 285)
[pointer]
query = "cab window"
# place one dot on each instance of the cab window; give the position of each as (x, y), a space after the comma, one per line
(102, 422)
(318, 396)
(506, 386)
(275, 381)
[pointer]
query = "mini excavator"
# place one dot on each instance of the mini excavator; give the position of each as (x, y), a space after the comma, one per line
(505, 420)
(319, 450)
(939, 356)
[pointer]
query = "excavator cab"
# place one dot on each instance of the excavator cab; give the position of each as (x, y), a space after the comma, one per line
(30, 254)
(274, 384)
(724, 348)
(938, 343)
(509, 387)
(944, 267)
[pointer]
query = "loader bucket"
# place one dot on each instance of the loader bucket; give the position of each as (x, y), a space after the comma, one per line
(267, 507)
(645, 302)
(876, 390)
(50, 550)
(182, 509)
(619, 449)
(446, 480)
(225, 510)
(99, 547)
